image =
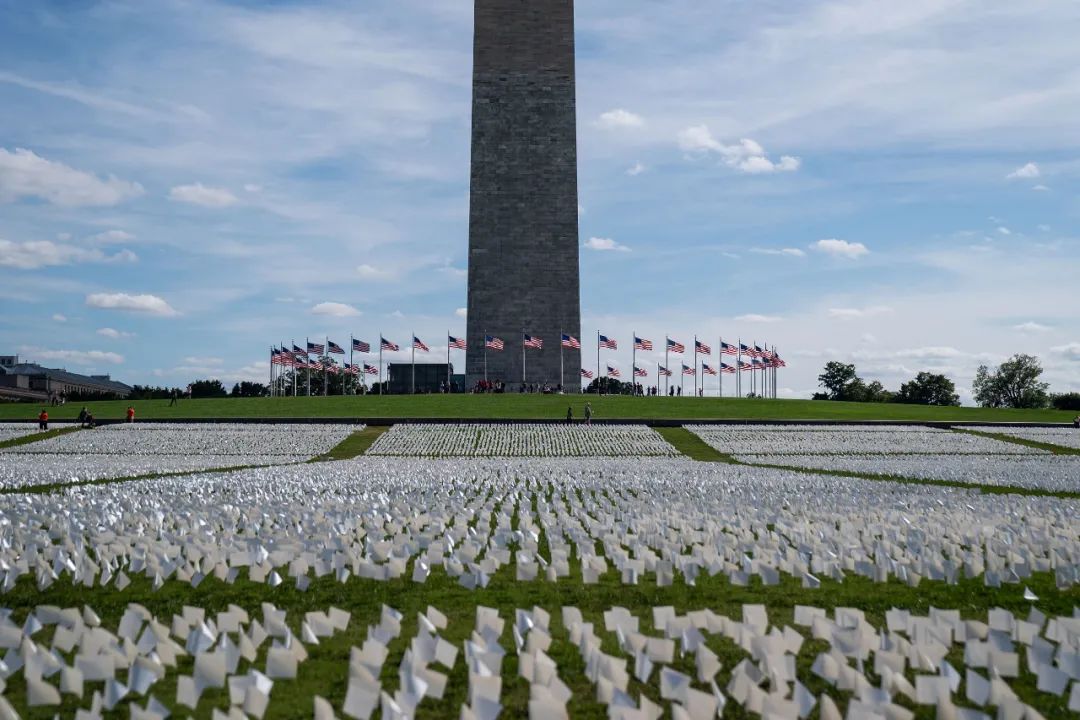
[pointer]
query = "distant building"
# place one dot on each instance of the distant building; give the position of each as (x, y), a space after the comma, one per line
(430, 378)
(30, 381)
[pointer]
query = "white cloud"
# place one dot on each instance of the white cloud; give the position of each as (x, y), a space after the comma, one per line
(1069, 352)
(191, 360)
(45, 253)
(753, 318)
(462, 312)
(148, 304)
(110, 237)
(1004, 230)
(59, 318)
(370, 272)
(854, 313)
(1033, 327)
(1044, 228)
(1026, 172)
(335, 309)
(77, 357)
(620, 118)
(605, 244)
(199, 194)
(23, 174)
(635, 170)
(114, 334)
(747, 156)
(252, 188)
(790, 252)
(841, 248)
(1040, 188)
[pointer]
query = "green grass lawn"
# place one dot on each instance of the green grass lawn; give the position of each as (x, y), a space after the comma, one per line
(534, 407)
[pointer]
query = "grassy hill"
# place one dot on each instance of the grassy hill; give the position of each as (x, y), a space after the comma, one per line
(547, 407)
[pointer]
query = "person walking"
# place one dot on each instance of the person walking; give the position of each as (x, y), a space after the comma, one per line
(173, 397)
(588, 413)
(130, 414)
(1076, 422)
(570, 414)
(43, 419)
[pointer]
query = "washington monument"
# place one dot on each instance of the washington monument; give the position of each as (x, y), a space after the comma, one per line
(523, 214)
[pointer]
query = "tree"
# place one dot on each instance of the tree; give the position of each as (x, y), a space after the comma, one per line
(1066, 401)
(1013, 384)
(208, 389)
(249, 389)
(610, 386)
(836, 378)
(928, 389)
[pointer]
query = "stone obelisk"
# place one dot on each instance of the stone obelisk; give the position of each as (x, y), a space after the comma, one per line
(523, 215)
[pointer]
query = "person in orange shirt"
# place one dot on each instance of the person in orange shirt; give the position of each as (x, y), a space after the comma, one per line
(43, 419)
(130, 414)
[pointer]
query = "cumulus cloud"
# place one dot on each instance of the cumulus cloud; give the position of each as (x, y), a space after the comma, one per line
(24, 174)
(335, 309)
(746, 156)
(193, 360)
(1040, 188)
(370, 272)
(1025, 172)
(620, 118)
(753, 318)
(146, 304)
(854, 313)
(605, 244)
(113, 333)
(1032, 327)
(462, 312)
(45, 253)
(841, 248)
(112, 237)
(76, 357)
(59, 318)
(635, 170)
(199, 194)
(1070, 351)
(790, 252)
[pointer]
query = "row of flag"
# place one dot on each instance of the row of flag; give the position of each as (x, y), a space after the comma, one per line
(706, 369)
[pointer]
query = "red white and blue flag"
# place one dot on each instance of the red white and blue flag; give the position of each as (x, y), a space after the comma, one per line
(275, 356)
(609, 343)
(586, 373)
(728, 349)
(640, 344)
(758, 352)
(418, 344)
(533, 342)
(745, 350)
(371, 369)
(334, 348)
(707, 369)
(457, 343)
(663, 371)
(315, 365)
(360, 346)
(387, 345)
(687, 370)
(493, 343)
(315, 348)
(702, 348)
(744, 366)
(297, 349)
(569, 341)
(613, 372)
(675, 347)
(638, 372)
(352, 369)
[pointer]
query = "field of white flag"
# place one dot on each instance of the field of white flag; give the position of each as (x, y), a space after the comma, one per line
(544, 571)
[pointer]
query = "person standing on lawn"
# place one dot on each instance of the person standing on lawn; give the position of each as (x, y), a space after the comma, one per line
(588, 413)
(130, 414)
(43, 419)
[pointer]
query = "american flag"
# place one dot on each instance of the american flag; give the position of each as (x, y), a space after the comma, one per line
(458, 343)
(569, 341)
(299, 358)
(663, 371)
(702, 348)
(352, 369)
(418, 344)
(640, 344)
(756, 361)
(613, 372)
(360, 346)
(297, 349)
(728, 349)
(638, 372)
(586, 373)
(606, 342)
(758, 352)
(371, 369)
(275, 356)
(745, 366)
(675, 347)
(705, 368)
(777, 362)
(493, 343)
(285, 358)
(746, 350)
(687, 370)
(331, 368)
(725, 368)
(315, 365)
(387, 345)
(315, 348)
(300, 364)
(334, 348)
(533, 342)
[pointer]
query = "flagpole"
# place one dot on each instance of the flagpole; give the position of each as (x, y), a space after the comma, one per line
(720, 358)
(695, 366)
(738, 369)
(562, 367)
(633, 361)
(598, 375)
(447, 362)
(667, 363)
(523, 376)
(485, 357)
(380, 363)
(413, 392)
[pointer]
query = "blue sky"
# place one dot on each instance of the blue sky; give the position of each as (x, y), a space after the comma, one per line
(185, 182)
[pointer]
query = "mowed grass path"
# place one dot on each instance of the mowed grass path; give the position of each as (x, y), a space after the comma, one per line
(532, 407)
